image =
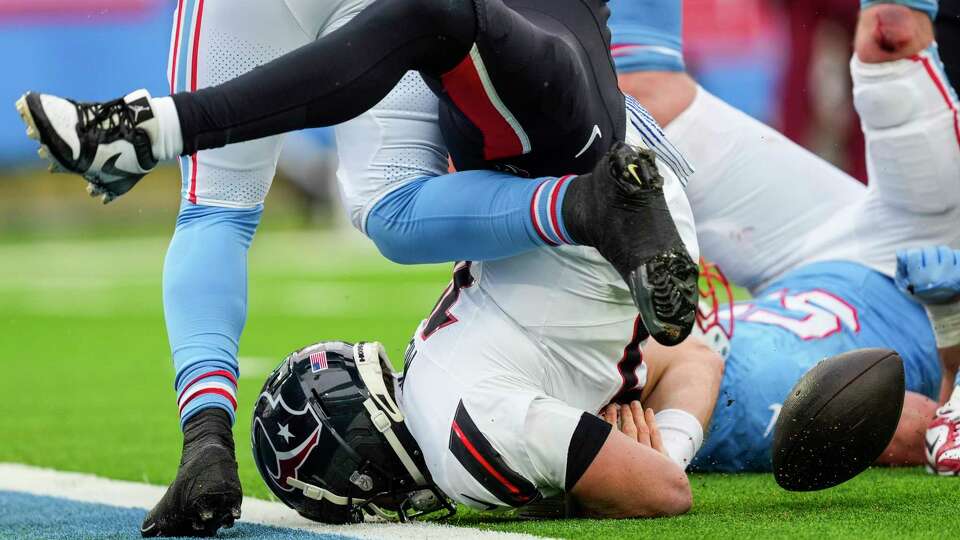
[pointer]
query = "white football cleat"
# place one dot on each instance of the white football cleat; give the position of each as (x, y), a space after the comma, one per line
(942, 442)
(107, 143)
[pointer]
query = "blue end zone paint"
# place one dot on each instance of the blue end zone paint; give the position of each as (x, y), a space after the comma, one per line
(24, 516)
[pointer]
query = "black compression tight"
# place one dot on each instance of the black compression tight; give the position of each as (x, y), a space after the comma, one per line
(333, 79)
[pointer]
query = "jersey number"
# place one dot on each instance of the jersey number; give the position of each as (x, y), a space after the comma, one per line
(819, 314)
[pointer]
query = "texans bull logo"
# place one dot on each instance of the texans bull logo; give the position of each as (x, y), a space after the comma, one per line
(292, 439)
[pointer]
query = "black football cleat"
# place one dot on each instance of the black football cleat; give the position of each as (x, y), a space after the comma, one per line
(620, 209)
(109, 143)
(206, 495)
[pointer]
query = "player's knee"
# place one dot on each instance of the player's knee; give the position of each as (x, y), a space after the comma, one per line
(396, 246)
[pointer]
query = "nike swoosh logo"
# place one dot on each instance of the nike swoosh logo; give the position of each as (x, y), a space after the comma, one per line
(929, 446)
(110, 167)
(633, 171)
(594, 135)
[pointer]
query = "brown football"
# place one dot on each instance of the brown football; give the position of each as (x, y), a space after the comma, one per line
(838, 419)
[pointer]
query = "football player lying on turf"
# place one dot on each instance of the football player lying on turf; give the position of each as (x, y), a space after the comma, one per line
(499, 342)
(766, 209)
(390, 157)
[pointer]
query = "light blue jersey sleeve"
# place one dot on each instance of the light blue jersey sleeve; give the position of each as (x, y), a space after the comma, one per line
(469, 216)
(205, 303)
(815, 312)
(647, 35)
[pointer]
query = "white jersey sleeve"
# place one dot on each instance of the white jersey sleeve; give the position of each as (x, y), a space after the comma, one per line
(393, 143)
(756, 196)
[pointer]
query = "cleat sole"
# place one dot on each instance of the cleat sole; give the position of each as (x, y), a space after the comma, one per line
(24, 110)
(665, 292)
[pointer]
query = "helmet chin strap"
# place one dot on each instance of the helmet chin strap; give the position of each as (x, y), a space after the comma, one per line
(382, 408)
(317, 493)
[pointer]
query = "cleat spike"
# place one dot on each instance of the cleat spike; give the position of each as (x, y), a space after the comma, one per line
(32, 133)
(235, 512)
(43, 152)
(206, 515)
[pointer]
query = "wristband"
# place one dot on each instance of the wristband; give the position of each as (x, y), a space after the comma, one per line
(681, 433)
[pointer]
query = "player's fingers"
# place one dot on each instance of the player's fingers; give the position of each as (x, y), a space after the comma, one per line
(656, 441)
(627, 423)
(643, 431)
(609, 414)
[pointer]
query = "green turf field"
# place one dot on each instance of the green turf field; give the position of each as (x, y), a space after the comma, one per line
(87, 381)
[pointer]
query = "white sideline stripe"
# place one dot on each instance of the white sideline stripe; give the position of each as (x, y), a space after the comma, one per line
(88, 488)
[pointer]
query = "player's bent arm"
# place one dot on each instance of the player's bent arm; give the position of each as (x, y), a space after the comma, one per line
(629, 480)
(907, 447)
(683, 383)
(205, 299)
(665, 94)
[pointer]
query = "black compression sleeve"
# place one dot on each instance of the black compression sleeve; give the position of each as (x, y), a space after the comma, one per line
(585, 444)
(334, 79)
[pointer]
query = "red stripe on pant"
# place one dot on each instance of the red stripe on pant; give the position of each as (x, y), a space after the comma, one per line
(476, 455)
(192, 193)
(925, 60)
(465, 88)
(176, 48)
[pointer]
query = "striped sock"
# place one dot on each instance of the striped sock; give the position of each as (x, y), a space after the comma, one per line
(546, 215)
(206, 388)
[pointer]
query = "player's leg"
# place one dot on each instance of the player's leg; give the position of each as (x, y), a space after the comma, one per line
(205, 270)
(908, 111)
(321, 84)
(332, 79)
(755, 194)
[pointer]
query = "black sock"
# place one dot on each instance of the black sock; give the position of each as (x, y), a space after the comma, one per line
(209, 426)
(575, 210)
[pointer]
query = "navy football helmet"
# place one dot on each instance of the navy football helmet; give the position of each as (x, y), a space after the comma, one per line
(330, 441)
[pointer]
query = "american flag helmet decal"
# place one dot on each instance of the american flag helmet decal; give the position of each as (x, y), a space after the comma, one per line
(318, 361)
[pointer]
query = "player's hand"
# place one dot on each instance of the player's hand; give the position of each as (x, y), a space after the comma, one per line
(888, 32)
(635, 422)
(930, 274)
